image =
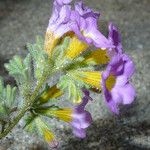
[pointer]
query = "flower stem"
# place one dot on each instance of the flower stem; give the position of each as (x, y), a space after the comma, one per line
(15, 121)
(30, 100)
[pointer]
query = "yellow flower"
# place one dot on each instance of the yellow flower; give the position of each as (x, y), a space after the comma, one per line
(50, 42)
(92, 78)
(75, 48)
(45, 132)
(64, 114)
(49, 138)
(48, 135)
(98, 56)
(52, 92)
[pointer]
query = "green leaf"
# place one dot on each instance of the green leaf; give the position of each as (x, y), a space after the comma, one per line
(73, 88)
(36, 124)
(7, 100)
(1, 85)
(59, 52)
(20, 69)
(40, 57)
(30, 125)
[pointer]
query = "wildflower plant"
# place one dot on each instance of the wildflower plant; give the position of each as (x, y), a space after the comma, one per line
(73, 47)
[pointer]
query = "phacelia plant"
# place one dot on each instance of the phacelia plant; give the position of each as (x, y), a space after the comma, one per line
(72, 50)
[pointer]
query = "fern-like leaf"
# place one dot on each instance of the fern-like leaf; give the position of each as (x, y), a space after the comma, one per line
(40, 58)
(20, 69)
(7, 100)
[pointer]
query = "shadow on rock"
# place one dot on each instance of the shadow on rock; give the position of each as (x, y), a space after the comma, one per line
(7, 79)
(110, 135)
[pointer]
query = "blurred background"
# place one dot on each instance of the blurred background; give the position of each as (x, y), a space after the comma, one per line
(22, 20)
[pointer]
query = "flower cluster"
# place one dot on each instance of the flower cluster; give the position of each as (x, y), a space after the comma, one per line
(81, 25)
(86, 60)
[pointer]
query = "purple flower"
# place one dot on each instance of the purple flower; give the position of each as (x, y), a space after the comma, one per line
(85, 11)
(77, 117)
(81, 118)
(58, 23)
(115, 39)
(82, 21)
(86, 27)
(63, 2)
(115, 82)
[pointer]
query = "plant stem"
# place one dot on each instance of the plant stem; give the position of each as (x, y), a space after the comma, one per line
(15, 121)
(27, 106)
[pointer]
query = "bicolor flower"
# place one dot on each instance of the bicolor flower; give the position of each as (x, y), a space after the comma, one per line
(78, 117)
(86, 27)
(58, 24)
(82, 22)
(115, 82)
(103, 56)
(81, 118)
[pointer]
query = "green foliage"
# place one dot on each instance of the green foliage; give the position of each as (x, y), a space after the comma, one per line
(30, 125)
(35, 124)
(72, 87)
(59, 52)
(7, 100)
(20, 69)
(60, 60)
(40, 58)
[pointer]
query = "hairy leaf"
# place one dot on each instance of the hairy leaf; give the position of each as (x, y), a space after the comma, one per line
(7, 101)
(59, 53)
(40, 58)
(73, 88)
(37, 125)
(20, 69)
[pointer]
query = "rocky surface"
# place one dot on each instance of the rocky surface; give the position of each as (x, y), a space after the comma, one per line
(22, 20)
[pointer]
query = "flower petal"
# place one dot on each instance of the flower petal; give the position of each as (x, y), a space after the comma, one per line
(62, 2)
(80, 133)
(115, 38)
(129, 66)
(128, 93)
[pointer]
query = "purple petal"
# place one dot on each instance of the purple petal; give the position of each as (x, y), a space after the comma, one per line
(129, 66)
(91, 31)
(80, 133)
(127, 93)
(122, 68)
(121, 80)
(62, 2)
(115, 38)
(85, 11)
(59, 23)
(81, 120)
(113, 106)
